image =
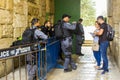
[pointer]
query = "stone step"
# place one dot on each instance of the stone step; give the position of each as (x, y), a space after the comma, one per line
(88, 43)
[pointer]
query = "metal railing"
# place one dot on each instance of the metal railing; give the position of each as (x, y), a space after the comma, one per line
(30, 61)
(31, 57)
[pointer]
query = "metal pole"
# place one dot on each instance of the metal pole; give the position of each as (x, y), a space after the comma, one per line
(20, 67)
(13, 68)
(25, 68)
(5, 70)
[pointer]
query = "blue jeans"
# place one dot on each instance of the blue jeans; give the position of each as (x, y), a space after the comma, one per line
(97, 56)
(103, 50)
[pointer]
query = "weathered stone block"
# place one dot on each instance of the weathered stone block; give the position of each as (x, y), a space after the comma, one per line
(17, 32)
(20, 20)
(48, 6)
(9, 4)
(119, 53)
(42, 20)
(32, 1)
(7, 31)
(43, 11)
(5, 42)
(33, 10)
(0, 31)
(2, 4)
(19, 8)
(23, 29)
(6, 17)
(16, 1)
(43, 7)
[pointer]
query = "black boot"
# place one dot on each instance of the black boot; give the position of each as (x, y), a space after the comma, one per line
(81, 54)
(74, 68)
(67, 70)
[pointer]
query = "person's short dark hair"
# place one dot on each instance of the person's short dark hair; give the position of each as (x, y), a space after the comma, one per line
(34, 21)
(46, 22)
(80, 19)
(66, 15)
(97, 23)
(100, 17)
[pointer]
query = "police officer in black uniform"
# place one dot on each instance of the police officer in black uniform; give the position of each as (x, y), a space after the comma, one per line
(31, 58)
(79, 32)
(66, 43)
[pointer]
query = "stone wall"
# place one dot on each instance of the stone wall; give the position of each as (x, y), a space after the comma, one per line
(15, 16)
(114, 20)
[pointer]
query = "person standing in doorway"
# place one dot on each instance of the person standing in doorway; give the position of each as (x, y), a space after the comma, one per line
(79, 32)
(104, 43)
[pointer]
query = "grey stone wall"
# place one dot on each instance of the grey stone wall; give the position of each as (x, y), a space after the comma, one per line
(114, 20)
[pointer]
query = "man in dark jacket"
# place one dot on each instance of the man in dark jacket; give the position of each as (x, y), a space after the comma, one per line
(79, 32)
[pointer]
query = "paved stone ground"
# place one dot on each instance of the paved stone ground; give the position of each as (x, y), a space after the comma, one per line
(16, 75)
(86, 70)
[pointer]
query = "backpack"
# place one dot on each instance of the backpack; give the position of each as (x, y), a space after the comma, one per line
(16, 43)
(110, 33)
(59, 33)
(28, 36)
(78, 30)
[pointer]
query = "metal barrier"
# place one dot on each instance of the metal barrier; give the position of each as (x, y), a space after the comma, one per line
(39, 58)
(53, 54)
(33, 56)
(53, 51)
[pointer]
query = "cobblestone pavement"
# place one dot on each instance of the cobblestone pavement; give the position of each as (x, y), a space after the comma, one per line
(86, 70)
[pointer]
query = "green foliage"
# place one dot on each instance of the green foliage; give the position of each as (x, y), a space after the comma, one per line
(88, 12)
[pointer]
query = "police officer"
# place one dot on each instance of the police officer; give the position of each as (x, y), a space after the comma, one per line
(31, 66)
(66, 43)
(38, 34)
(79, 32)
